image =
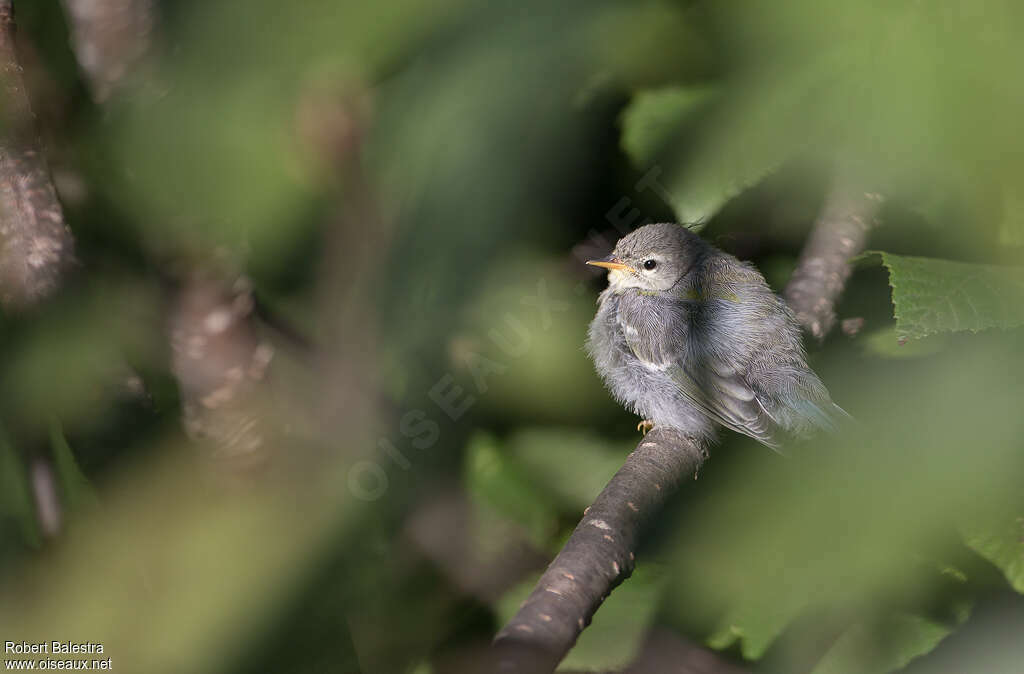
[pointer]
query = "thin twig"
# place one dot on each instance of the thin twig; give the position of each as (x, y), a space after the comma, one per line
(838, 235)
(598, 555)
(47, 501)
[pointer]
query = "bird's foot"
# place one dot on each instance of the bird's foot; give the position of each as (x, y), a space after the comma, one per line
(645, 426)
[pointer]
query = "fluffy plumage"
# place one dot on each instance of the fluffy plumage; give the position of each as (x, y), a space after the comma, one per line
(690, 338)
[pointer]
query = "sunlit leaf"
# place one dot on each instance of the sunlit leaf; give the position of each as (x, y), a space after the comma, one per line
(76, 490)
(1002, 543)
(933, 296)
(654, 117)
(15, 493)
(756, 627)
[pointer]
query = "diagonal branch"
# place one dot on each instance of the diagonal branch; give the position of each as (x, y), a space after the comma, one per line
(598, 556)
(838, 235)
(36, 246)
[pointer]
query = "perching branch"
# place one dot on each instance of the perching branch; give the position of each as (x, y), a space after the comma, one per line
(838, 235)
(598, 556)
(36, 247)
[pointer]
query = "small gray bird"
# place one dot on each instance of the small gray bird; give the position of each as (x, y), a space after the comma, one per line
(687, 337)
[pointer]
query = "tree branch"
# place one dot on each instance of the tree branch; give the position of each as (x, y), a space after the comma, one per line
(838, 235)
(598, 555)
(36, 246)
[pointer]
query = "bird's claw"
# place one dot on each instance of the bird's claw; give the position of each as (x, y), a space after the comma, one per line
(645, 426)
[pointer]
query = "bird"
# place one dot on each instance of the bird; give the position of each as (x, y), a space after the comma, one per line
(691, 339)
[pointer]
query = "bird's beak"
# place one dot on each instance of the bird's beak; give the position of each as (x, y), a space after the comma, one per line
(610, 262)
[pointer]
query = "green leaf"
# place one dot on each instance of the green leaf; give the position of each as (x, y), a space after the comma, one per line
(932, 296)
(756, 627)
(15, 493)
(887, 645)
(572, 466)
(728, 158)
(654, 117)
(1011, 225)
(618, 628)
(76, 490)
(1000, 541)
(494, 481)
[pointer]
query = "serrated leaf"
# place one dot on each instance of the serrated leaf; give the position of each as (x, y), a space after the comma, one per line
(654, 116)
(1002, 543)
(931, 295)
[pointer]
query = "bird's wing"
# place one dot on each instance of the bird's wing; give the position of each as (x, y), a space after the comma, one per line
(658, 340)
(796, 399)
(724, 395)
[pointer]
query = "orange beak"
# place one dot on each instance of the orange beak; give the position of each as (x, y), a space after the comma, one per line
(610, 262)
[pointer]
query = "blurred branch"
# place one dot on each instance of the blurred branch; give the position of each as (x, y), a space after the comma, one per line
(109, 37)
(598, 555)
(44, 493)
(36, 246)
(333, 119)
(220, 361)
(838, 235)
(444, 529)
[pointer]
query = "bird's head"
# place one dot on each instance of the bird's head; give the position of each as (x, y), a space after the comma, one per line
(652, 258)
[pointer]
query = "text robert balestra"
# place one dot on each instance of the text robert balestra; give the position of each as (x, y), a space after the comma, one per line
(55, 647)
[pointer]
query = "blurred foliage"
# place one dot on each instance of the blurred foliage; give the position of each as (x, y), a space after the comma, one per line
(903, 638)
(451, 158)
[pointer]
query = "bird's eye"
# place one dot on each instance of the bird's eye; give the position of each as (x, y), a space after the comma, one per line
(650, 264)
